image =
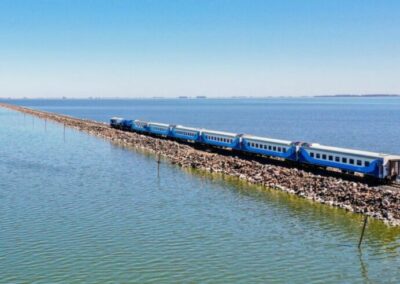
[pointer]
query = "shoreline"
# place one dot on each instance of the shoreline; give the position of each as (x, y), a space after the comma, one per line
(378, 202)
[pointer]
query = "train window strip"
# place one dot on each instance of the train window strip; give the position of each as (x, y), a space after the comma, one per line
(338, 159)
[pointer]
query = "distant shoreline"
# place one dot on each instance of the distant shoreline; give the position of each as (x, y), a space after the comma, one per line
(212, 98)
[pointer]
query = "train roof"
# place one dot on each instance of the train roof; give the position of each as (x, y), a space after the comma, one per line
(187, 128)
(265, 139)
(159, 124)
(219, 132)
(317, 146)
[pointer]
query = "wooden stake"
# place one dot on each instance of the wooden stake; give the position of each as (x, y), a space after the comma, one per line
(158, 164)
(363, 230)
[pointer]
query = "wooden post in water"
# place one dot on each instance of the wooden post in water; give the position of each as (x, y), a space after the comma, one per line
(64, 132)
(158, 164)
(363, 230)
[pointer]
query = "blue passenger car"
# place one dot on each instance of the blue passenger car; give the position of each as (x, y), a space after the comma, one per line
(126, 124)
(139, 126)
(269, 147)
(115, 122)
(185, 133)
(221, 139)
(368, 163)
(159, 128)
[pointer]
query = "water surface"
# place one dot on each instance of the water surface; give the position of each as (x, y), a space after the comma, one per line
(360, 123)
(79, 209)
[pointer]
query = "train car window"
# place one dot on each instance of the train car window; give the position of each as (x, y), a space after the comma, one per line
(269, 147)
(318, 156)
(311, 154)
(324, 156)
(366, 163)
(344, 160)
(248, 144)
(330, 158)
(274, 148)
(359, 162)
(279, 149)
(351, 161)
(284, 150)
(337, 159)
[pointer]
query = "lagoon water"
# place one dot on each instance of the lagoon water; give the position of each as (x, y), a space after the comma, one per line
(76, 208)
(360, 123)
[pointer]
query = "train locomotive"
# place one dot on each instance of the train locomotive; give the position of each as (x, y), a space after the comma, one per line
(376, 165)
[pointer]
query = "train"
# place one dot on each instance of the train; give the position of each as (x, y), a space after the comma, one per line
(369, 164)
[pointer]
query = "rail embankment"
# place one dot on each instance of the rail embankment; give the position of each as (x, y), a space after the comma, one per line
(378, 202)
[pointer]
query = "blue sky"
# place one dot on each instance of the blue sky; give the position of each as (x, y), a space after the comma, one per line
(214, 48)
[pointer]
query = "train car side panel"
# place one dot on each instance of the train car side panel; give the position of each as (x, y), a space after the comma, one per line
(344, 161)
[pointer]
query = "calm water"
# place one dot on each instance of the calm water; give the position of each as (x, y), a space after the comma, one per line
(79, 210)
(361, 123)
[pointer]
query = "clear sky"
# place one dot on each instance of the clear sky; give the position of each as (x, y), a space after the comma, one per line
(215, 48)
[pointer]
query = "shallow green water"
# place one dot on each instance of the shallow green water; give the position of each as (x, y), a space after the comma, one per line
(80, 209)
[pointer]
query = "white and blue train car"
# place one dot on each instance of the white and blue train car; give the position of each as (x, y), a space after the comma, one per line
(220, 139)
(269, 147)
(159, 128)
(116, 122)
(126, 124)
(139, 126)
(368, 163)
(185, 133)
